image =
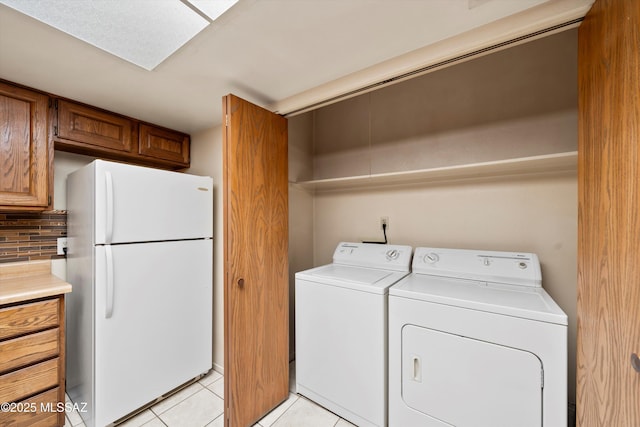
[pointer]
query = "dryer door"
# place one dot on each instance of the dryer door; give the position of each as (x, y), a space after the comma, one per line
(469, 383)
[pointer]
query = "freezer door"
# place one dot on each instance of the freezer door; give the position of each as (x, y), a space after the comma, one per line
(153, 312)
(138, 204)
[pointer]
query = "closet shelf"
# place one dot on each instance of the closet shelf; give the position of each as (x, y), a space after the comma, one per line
(544, 164)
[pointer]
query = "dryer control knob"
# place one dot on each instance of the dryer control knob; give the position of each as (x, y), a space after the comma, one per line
(431, 258)
(392, 254)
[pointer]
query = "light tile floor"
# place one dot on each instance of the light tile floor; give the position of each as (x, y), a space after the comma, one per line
(201, 405)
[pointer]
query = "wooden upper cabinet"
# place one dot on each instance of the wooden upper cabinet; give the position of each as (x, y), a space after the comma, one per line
(25, 167)
(83, 129)
(79, 124)
(163, 144)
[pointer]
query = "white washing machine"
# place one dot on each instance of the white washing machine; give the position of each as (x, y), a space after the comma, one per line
(341, 330)
(474, 341)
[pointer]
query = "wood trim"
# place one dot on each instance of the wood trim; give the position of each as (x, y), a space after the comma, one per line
(226, 253)
(608, 218)
(62, 358)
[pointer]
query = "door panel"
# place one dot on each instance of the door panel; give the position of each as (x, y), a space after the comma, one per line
(158, 334)
(256, 261)
(500, 386)
(91, 126)
(608, 218)
(145, 204)
(24, 149)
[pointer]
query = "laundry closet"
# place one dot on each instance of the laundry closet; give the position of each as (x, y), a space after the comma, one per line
(480, 154)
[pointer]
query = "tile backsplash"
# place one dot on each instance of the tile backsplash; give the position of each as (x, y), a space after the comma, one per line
(31, 236)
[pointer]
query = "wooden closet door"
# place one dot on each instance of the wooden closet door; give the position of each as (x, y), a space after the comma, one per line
(608, 388)
(256, 261)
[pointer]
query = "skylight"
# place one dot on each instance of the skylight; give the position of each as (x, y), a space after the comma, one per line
(143, 32)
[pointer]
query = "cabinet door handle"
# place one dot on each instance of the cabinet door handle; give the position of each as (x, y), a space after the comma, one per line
(241, 282)
(635, 362)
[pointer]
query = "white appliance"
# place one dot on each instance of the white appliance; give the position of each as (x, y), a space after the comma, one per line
(474, 341)
(139, 319)
(341, 330)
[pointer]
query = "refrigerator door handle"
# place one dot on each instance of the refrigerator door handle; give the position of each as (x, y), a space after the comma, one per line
(109, 208)
(108, 312)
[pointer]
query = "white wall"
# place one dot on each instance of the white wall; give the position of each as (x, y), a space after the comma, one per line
(300, 209)
(63, 165)
(206, 159)
(519, 102)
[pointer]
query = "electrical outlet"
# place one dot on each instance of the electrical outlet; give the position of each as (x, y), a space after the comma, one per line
(384, 220)
(62, 245)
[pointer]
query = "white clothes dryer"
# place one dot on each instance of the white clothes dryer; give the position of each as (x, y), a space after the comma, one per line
(474, 341)
(341, 330)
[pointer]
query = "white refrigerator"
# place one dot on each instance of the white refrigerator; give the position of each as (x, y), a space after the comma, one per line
(140, 259)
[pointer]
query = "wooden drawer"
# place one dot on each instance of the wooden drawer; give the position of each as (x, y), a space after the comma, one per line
(37, 411)
(22, 319)
(164, 144)
(17, 385)
(29, 349)
(86, 125)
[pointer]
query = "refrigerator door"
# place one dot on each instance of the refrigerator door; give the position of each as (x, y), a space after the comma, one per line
(139, 204)
(153, 320)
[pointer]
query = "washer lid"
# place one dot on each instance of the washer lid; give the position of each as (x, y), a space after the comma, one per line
(519, 301)
(365, 279)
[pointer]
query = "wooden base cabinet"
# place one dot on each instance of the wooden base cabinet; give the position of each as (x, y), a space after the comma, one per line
(32, 363)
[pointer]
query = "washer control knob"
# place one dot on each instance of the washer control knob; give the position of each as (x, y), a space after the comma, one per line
(522, 265)
(431, 258)
(392, 254)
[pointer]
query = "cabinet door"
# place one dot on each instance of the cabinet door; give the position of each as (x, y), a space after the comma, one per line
(79, 125)
(164, 144)
(24, 149)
